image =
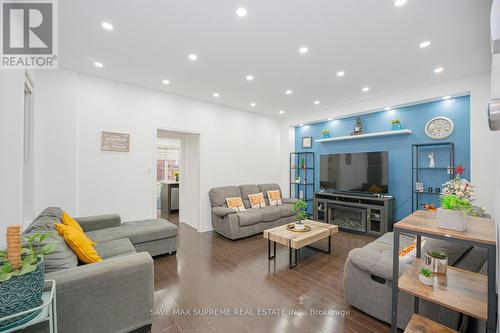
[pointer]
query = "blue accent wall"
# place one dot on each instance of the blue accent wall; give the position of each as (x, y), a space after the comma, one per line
(399, 147)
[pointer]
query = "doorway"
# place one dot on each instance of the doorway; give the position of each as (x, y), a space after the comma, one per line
(177, 184)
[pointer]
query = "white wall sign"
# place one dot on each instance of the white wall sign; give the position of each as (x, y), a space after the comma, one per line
(119, 142)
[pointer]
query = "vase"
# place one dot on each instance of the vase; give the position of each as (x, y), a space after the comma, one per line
(451, 219)
(21, 293)
(396, 127)
(438, 266)
(299, 226)
(428, 281)
(326, 135)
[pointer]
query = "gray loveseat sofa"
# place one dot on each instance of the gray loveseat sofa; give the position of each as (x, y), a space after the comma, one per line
(368, 279)
(234, 225)
(114, 295)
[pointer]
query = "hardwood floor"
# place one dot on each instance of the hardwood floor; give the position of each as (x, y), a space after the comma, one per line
(212, 273)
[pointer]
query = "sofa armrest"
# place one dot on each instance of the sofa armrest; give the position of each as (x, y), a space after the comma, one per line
(289, 200)
(115, 295)
(223, 211)
(97, 222)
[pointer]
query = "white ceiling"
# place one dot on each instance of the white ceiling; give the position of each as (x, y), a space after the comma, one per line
(374, 42)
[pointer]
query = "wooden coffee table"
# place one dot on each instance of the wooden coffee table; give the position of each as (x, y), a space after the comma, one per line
(297, 240)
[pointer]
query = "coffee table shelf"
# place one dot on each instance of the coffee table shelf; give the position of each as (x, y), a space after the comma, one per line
(459, 290)
(419, 324)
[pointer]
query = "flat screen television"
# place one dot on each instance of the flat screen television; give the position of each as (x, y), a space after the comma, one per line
(365, 173)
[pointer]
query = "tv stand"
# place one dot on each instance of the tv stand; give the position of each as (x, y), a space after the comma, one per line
(353, 212)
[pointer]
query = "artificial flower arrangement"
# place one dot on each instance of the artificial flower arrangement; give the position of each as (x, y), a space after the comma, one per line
(459, 187)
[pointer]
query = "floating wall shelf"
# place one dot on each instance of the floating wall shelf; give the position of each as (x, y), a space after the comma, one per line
(367, 135)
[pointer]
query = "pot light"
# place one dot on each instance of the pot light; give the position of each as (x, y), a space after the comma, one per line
(387, 108)
(438, 70)
(330, 119)
(107, 26)
(424, 44)
(446, 97)
(193, 57)
(301, 125)
(288, 92)
(316, 102)
(253, 104)
(340, 73)
(249, 77)
(303, 49)
(241, 12)
(281, 111)
(165, 81)
(98, 64)
(216, 94)
(399, 3)
(365, 89)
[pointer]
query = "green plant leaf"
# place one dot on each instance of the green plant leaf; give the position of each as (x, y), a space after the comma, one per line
(17, 272)
(3, 254)
(6, 267)
(45, 236)
(25, 251)
(48, 248)
(27, 269)
(28, 260)
(5, 276)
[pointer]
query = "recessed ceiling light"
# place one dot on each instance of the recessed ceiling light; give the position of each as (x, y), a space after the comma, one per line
(399, 3)
(165, 81)
(107, 26)
(252, 104)
(249, 77)
(446, 97)
(330, 119)
(424, 44)
(438, 70)
(303, 49)
(98, 64)
(316, 102)
(340, 73)
(301, 124)
(193, 57)
(288, 92)
(281, 111)
(216, 94)
(241, 12)
(387, 108)
(365, 89)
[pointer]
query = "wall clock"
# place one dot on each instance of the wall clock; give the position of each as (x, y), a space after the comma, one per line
(439, 128)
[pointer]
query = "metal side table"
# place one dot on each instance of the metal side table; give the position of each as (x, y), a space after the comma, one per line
(46, 312)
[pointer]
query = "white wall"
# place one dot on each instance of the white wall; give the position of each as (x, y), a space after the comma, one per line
(236, 147)
(11, 148)
(482, 139)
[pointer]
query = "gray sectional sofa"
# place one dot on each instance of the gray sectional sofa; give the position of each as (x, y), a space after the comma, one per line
(114, 295)
(234, 225)
(368, 279)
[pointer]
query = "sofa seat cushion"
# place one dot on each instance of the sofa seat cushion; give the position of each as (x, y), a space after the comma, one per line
(114, 248)
(270, 213)
(136, 231)
(46, 220)
(249, 217)
(286, 210)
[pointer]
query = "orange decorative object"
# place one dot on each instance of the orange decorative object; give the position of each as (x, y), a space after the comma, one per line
(14, 246)
(430, 207)
(408, 249)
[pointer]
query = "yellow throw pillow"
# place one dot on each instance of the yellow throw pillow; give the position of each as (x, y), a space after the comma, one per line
(236, 203)
(257, 200)
(274, 198)
(69, 221)
(81, 245)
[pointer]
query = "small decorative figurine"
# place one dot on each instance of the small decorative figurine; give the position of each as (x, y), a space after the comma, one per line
(429, 189)
(432, 163)
(437, 190)
(358, 127)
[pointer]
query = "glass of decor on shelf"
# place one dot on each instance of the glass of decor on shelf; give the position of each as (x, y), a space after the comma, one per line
(395, 124)
(326, 133)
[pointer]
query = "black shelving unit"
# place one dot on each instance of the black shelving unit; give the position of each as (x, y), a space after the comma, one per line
(443, 171)
(306, 173)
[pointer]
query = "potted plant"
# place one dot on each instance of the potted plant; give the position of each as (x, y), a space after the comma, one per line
(302, 163)
(300, 208)
(395, 124)
(425, 276)
(22, 273)
(326, 133)
(436, 261)
(453, 212)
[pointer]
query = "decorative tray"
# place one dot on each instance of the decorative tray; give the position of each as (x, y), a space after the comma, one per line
(291, 227)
